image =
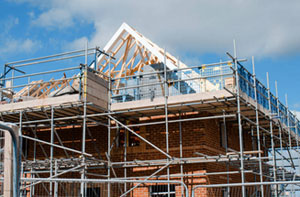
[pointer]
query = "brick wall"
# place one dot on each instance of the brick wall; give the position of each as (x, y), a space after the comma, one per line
(197, 136)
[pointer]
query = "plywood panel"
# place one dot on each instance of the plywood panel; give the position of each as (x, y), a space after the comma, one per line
(98, 94)
(96, 90)
(97, 101)
(97, 79)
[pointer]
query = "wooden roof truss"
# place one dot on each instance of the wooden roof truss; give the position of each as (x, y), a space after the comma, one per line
(133, 51)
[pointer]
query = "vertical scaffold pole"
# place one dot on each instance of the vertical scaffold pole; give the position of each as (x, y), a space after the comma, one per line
(51, 149)
(280, 134)
(20, 146)
(55, 183)
(289, 130)
(222, 76)
(166, 116)
(12, 82)
(297, 149)
(180, 152)
(226, 150)
(239, 119)
(82, 186)
(257, 128)
(109, 124)
(272, 137)
(254, 147)
(288, 121)
(180, 136)
(297, 140)
(32, 188)
(125, 158)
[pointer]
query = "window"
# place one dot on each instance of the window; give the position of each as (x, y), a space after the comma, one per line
(131, 139)
(225, 192)
(223, 136)
(162, 191)
(93, 192)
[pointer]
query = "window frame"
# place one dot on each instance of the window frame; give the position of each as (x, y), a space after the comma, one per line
(164, 191)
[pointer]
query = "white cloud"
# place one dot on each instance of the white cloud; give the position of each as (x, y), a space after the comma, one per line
(31, 14)
(296, 105)
(54, 18)
(9, 23)
(261, 28)
(11, 46)
(297, 113)
(79, 43)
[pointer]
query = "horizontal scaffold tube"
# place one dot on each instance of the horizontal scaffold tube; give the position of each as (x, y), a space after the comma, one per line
(64, 180)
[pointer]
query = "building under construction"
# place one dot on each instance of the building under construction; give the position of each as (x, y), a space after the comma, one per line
(130, 119)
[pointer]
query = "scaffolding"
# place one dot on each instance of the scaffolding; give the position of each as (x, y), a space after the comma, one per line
(121, 94)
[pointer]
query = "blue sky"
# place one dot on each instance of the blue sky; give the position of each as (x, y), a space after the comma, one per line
(195, 31)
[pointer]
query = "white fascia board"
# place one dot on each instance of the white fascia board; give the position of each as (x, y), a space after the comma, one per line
(148, 46)
(112, 42)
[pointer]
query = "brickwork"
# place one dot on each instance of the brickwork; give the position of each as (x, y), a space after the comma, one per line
(197, 136)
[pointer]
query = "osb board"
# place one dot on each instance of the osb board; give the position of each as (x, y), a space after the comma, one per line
(97, 101)
(97, 79)
(96, 90)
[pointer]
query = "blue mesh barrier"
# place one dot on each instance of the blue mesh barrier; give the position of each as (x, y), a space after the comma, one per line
(195, 80)
(246, 83)
(216, 75)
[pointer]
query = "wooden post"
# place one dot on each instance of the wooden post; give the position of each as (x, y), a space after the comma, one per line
(8, 162)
